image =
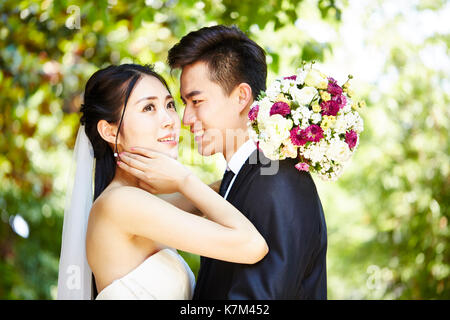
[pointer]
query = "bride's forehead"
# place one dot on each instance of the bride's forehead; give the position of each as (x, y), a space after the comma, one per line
(149, 85)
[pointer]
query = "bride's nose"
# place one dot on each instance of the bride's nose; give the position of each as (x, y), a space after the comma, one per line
(166, 120)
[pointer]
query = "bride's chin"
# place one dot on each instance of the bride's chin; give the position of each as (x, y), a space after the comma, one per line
(172, 153)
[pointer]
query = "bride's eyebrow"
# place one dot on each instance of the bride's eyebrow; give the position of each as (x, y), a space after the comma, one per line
(147, 98)
(153, 98)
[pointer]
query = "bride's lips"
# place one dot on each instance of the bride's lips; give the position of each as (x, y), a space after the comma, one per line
(170, 139)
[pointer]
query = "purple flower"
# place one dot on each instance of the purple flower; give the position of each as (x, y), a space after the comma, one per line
(341, 100)
(298, 137)
(280, 107)
(253, 114)
(333, 88)
(329, 108)
(351, 138)
(313, 133)
(302, 166)
(294, 77)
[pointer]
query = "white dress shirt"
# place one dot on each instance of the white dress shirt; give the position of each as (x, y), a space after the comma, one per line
(238, 159)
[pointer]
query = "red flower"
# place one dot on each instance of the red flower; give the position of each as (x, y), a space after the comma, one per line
(294, 77)
(298, 137)
(333, 88)
(329, 108)
(313, 133)
(351, 138)
(280, 107)
(340, 100)
(253, 113)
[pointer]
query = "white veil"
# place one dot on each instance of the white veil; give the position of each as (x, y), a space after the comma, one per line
(75, 275)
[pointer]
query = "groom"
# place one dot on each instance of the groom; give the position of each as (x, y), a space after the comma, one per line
(223, 72)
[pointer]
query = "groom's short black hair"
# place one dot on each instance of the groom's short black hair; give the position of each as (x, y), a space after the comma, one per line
(231, 56)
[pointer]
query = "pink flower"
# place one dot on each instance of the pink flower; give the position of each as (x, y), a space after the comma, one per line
(333, 88)
(351, 138)
(298, 137)
(253, 114)
(294, 77)
(329, 108)
(340, 100)
(313, 133)
(302, 166)
(280, 107)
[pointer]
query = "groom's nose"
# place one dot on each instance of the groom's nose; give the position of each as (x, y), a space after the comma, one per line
(188, 116)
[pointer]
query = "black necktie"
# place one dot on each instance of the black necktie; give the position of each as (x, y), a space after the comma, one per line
(227, 177)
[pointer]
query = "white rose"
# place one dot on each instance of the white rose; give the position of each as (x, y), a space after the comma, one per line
(316, 79)
(304, 95)
(338, 151)
(278, 128)
(270, 149)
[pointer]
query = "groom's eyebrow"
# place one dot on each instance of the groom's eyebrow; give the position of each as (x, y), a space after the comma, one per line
(193, 93)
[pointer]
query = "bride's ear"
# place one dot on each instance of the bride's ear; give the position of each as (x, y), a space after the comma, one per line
(107, 131)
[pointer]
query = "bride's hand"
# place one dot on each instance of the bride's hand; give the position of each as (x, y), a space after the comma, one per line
(157, 172)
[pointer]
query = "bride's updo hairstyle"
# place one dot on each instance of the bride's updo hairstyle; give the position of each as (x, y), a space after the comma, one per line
(105, 98)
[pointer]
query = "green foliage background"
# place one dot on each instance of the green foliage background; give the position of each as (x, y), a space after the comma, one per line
(388, 215)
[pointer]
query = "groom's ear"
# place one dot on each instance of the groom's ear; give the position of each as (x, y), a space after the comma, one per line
(107, 131)
(243, 94)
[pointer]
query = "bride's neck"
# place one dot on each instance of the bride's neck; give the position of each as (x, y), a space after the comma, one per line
(125, 179)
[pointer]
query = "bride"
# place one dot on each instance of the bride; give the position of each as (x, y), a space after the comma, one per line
(127, 238)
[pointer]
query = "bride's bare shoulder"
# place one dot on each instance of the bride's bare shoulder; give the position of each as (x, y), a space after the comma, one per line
(117, 199)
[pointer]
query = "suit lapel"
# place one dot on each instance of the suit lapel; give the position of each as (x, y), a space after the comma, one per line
(250, 164)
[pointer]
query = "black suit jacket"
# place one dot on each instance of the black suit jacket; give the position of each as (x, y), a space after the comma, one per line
(286, 210)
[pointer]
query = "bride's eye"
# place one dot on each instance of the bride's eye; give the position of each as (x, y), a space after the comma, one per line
(171, 104)
(149, 107)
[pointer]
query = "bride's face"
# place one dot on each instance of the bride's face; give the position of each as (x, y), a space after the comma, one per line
(150, 119)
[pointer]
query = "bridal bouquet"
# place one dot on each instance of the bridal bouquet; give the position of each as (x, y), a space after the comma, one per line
(310, 117)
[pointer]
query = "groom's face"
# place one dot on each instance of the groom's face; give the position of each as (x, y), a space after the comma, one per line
(209, 111)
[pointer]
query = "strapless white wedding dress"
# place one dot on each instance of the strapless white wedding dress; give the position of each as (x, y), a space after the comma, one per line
(163, 276)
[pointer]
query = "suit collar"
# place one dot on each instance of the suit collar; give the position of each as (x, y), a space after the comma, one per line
(253, 162)
(241, 155)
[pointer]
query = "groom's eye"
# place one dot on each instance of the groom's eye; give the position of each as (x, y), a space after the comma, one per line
(195, 102)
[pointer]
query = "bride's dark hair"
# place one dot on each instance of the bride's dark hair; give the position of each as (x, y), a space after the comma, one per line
(105, 98)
